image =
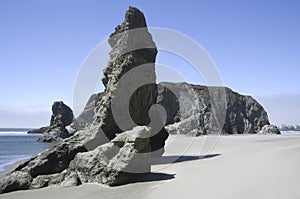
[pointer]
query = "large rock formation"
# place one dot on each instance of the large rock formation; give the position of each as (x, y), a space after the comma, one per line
(132, 91)
(62, 116)
(188, 109)
(65, 163)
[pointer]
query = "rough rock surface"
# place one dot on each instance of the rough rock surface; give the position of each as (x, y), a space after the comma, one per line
(132, 58)
(270, 129)
(113, 163)
(87, 115)
(18, 180)
(62, 116)
(189, 110)
(53, 165)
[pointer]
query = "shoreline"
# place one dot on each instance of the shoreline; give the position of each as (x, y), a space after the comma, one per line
(21, 154)
(10, 167)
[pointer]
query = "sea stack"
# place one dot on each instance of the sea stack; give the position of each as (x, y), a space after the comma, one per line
(113, 151)
(62, 116)
(130, 81)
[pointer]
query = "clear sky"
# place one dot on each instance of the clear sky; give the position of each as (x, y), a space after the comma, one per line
(254, 43)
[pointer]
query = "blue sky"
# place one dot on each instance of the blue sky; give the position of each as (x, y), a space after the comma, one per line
(254, 43)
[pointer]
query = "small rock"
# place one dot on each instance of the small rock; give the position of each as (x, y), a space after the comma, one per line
(270, 129)
(18, 180)
(71, 180)
(42, 181)
(39, 182)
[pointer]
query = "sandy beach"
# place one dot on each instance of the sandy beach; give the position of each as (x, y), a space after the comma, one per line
(248, 166)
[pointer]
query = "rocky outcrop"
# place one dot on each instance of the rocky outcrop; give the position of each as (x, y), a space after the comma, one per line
(62, 116)
(65, 163)
(270, 129)
(18, 180)
(86, 116)
(44, 169)
(188, 110)
(115, 162)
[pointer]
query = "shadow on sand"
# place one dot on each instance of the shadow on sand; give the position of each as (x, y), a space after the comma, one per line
(177, 159)
(150, 177)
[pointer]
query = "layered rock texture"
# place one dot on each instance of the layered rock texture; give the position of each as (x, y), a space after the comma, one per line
(117, 144)
(62, 116)
(130, 81)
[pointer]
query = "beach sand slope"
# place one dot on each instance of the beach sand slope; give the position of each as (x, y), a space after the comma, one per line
(248, 166)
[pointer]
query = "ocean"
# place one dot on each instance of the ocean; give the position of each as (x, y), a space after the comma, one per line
(290, 132)
(17, 145)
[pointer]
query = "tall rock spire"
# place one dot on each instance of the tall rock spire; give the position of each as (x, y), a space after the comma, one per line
(130, 81)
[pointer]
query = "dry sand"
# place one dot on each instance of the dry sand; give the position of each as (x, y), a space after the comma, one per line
(241, 167)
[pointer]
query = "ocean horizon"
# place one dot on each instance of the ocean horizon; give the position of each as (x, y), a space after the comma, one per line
(16, 145)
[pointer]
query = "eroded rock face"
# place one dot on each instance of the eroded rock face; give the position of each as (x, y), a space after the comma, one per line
(87, 115)
(244, 115)
(62, 116)
(186, 111)
(115, 162)
(130, 81)
(18, 180)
